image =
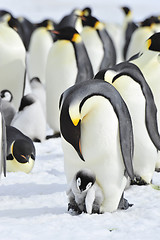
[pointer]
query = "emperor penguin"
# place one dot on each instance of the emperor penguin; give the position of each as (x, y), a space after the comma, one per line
(67, 63)
(72, 20)
(40, 43)
(8, 108)
(129, 26)
(98, 43)
(148, 61)
(20, 151)
(146, 29)
(12, 63)
(84, 194)
(131, 84)
(96, 133)
(30, 119)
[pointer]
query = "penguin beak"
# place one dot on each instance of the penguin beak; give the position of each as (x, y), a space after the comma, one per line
(26, 157)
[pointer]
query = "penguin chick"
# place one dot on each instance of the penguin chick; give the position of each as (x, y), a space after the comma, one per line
(84, 193)
(30, 118)
(8, 108)
(20, 151)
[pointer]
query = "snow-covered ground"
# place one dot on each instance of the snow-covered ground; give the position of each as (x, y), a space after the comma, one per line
(34, 206)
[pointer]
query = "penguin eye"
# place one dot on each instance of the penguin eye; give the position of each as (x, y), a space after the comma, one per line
(88, 185)
(78, 182)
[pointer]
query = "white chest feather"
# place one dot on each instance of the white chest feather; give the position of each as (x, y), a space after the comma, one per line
(61, 73)
(94, 47)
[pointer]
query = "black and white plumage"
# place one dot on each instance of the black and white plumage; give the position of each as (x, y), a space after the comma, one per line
(67, 64)
(131, 84)
(30, 119)
(12, 63)
(148, 61)
(84, 194)
(98, 42)
(40, 43)
(20, 151)
(96, 132)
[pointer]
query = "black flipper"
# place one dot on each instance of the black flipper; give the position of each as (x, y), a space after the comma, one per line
(131, 70)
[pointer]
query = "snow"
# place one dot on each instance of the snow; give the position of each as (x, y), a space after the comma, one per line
(34, 206)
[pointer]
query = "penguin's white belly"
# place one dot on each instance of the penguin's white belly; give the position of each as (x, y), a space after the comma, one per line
(145, 154)
(15, 166)
(41, 42)
(137, 41)
(12, 63)
(94, 47)
(101, 151)
(61, 73)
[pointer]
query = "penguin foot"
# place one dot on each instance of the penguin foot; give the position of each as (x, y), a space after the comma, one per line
(138, 181)
(55, 135)
(157, 169)
(74, 207)
(96, 209)
(124, 204)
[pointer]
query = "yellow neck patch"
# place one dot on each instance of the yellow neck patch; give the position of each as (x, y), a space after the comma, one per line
(76, 38)
(99, 25)
(149, 41)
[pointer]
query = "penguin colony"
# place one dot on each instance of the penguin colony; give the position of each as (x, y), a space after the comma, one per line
(100, 95)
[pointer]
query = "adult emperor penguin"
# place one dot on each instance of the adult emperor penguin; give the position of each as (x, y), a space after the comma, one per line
(84, 194)
(8, 108)
(20, 151)
(67, 64)
(12, 63)
(131, 84)
(96, 132)
(129, 26)
(40, 44)
(98, 43)
(146, 29)
(30, 118)
(148, 60)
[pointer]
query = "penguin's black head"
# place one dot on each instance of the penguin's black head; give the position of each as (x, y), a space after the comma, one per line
(149, 21)
(90, 21)
(85, 180)
(47, 23)
(126, 10)
(153, 43)
(23, 150)
(6, 95)
(87, 11)
(67, 33)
